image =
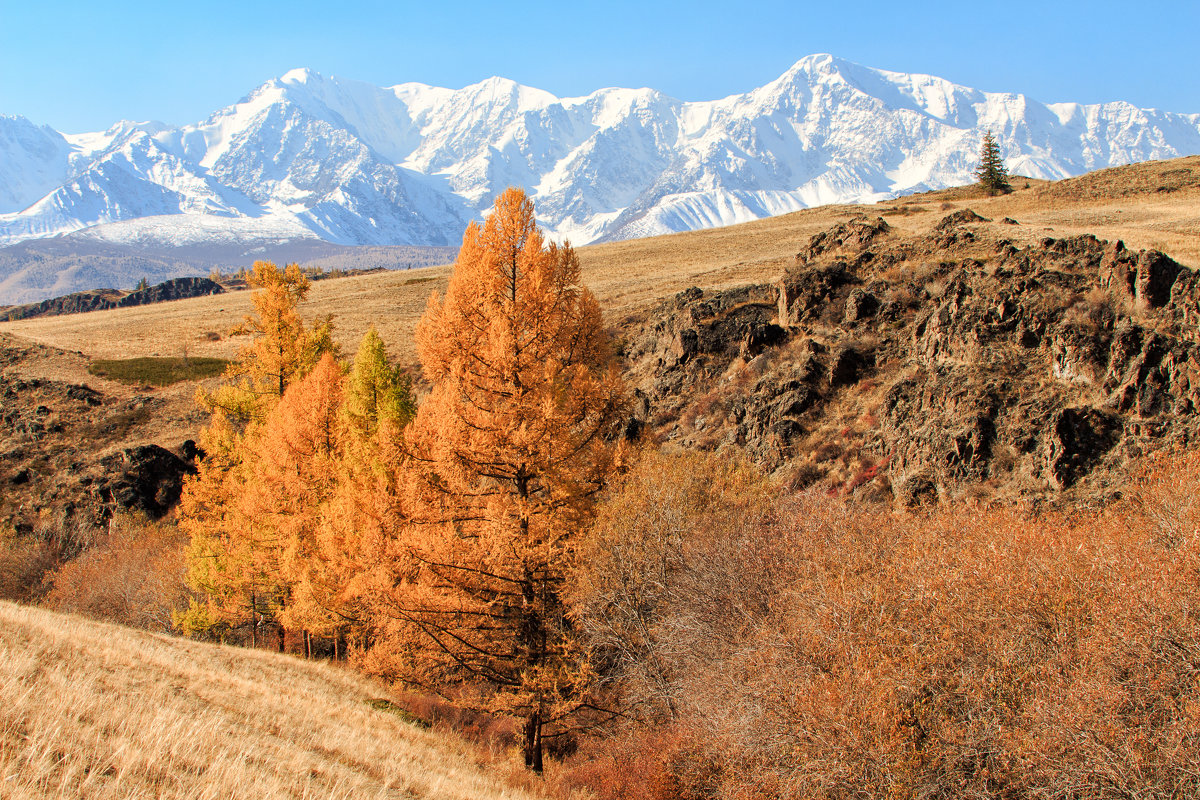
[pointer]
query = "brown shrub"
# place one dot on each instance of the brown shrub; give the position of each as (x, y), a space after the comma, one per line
(827, 650)
(133, 575)
(634, 591)
(27, 560)
(24, 562)
(662, 763)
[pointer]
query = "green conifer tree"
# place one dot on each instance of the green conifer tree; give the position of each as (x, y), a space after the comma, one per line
(992, 174)
(377, 389)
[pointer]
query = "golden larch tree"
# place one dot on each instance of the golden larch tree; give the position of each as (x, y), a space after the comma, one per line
(282, 348)
(298, 455)
(221, 562)
(228, 565)
(505, 458)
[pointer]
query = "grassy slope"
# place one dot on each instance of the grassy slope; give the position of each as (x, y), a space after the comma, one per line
(94, 710)
(1148, 205)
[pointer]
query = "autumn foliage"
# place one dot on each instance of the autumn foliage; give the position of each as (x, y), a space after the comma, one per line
(434, 540)
(803, 647)
(266, 553)
(281, 349)
(499, 545)
(505, 460)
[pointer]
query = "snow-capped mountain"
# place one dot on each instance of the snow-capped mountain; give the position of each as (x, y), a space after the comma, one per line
(305, 156)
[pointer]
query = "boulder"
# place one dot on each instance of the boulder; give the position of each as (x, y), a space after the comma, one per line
(808, 293)
(148, 478)
(1076, 441)
(964, 217)
(855, 235)
(1155, 274)
(860, 304)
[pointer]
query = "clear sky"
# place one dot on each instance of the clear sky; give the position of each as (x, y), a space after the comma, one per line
(83, 65)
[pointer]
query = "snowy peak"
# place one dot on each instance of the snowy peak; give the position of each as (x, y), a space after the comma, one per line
(299, 75)
(349, 162)
(33, 161)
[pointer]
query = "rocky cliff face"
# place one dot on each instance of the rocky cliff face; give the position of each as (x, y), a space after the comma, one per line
(959, 362)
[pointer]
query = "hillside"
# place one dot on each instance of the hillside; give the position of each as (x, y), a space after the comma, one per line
(306, 159)
(94, 710)
(1125, 203)
(1148, 206)
(971, 358)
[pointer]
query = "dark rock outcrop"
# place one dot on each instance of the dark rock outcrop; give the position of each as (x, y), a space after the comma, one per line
(856, 234)
(148, 479)
(923, 366)
(810, 293)
(78, 303)
(174, 289)
(100, 299)
(1078, 439)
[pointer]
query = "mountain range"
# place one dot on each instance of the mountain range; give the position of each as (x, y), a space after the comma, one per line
(307, 158)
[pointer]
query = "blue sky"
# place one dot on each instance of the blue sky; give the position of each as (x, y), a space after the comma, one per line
(82, 66)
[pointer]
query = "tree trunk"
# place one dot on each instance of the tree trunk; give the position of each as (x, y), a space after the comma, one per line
(533, 742)
(282, 638)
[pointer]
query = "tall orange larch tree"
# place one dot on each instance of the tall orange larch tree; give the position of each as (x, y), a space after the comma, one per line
(505, 458)
(363, 535)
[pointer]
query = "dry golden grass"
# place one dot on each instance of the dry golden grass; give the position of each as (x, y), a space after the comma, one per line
(93, 710)
(629, 276)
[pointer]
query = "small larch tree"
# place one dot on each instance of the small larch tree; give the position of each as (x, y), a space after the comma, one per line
(991, 172)
(377, 388)
(282, 349)
(504, 460)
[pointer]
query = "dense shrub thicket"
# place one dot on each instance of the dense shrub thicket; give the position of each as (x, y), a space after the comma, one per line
(774, 646)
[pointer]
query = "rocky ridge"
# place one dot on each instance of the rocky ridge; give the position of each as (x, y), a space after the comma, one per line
(957, 362)
(80, 302)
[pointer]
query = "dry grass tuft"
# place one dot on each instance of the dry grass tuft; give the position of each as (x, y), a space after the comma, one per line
(94, 710)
